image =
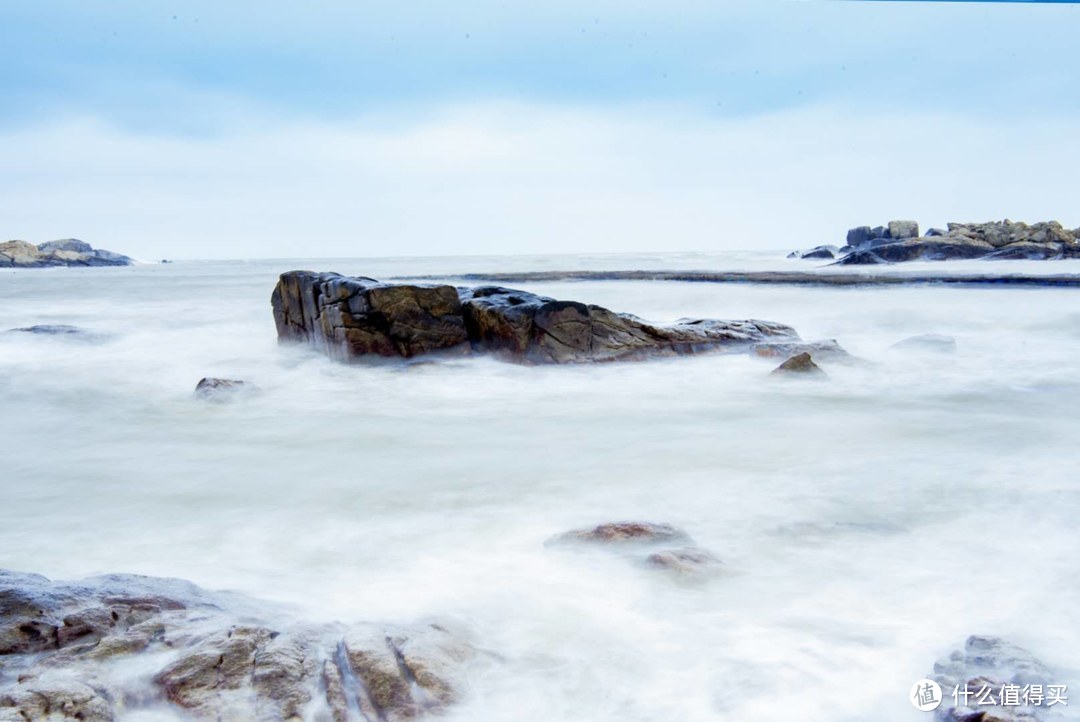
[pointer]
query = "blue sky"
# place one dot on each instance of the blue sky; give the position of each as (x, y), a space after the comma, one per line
(202, 129)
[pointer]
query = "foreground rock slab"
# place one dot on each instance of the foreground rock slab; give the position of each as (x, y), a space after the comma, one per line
(349, 318)
(102, 647)
(67, 252)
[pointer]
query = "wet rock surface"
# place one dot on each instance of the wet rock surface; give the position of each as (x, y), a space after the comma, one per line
(171, 645)
(349, 318)
(899, 242)
(67, 252)
(992, 668)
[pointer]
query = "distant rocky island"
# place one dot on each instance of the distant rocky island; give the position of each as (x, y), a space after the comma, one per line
(900, 241)
(66, 252)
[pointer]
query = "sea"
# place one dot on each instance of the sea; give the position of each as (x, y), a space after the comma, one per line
(867, 524)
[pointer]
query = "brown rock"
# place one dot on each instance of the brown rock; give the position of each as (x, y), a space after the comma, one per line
(801, 364)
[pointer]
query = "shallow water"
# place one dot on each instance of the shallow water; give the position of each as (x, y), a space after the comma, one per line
(868, 524)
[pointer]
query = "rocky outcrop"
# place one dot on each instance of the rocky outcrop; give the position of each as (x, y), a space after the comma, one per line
(800, 365)
(991, 668)
(213, 656)
(997, 240)
(350, 318)
(68, 252)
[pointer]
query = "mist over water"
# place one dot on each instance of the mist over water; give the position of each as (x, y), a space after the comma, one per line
(867, 524)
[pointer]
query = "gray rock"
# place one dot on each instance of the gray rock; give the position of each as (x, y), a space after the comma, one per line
(65, 332)
(351, 318)
(927, 342)
(73, 245)
(859, 236)
(215, 389)
(801, 365)
(899, 230)
(920, 249)
(934, 232)
(217, 656)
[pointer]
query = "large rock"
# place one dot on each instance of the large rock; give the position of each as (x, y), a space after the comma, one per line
(899, 230)
(67, 252)
(349, 318)
(919, 249)
(213, 656)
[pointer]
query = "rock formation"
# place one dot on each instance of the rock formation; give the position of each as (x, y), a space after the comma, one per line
(349, 318)
(800, 364)
(210, 655)
(215, 389)
(900, 241)
(68, 252)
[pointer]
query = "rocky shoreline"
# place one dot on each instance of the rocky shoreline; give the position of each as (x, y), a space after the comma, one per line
(352, 318)
(99, 649)
(900, 241)
(67, 252)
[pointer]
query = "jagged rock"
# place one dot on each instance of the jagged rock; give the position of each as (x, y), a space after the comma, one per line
(928, 342)
(215, 389)
(899, 230)
(828, 349)
(349, 318)
(989, 663)
(802, 364)
(215, 658)
(624, 532)
(67, 252)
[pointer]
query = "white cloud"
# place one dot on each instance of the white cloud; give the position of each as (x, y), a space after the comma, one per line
(504, 178)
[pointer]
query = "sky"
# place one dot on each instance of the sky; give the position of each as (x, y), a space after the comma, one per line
(204, 129)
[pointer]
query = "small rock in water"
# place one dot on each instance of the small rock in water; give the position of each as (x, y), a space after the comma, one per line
(685, 561)
(928, 342)
(801, 364)
(624, 532)
(219, 389)
(74, 333)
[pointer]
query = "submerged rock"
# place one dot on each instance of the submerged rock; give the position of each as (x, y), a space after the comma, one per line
(927, 342)
(215, 659)
(818, 252)
(686, 561)
(829, 349)
(801, 364)
(73, 333)
(216, 389)
(623, 532)
(990, 666)
(349, 318)
(66, 252)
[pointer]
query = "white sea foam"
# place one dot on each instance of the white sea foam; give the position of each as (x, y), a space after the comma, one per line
(868, 524)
